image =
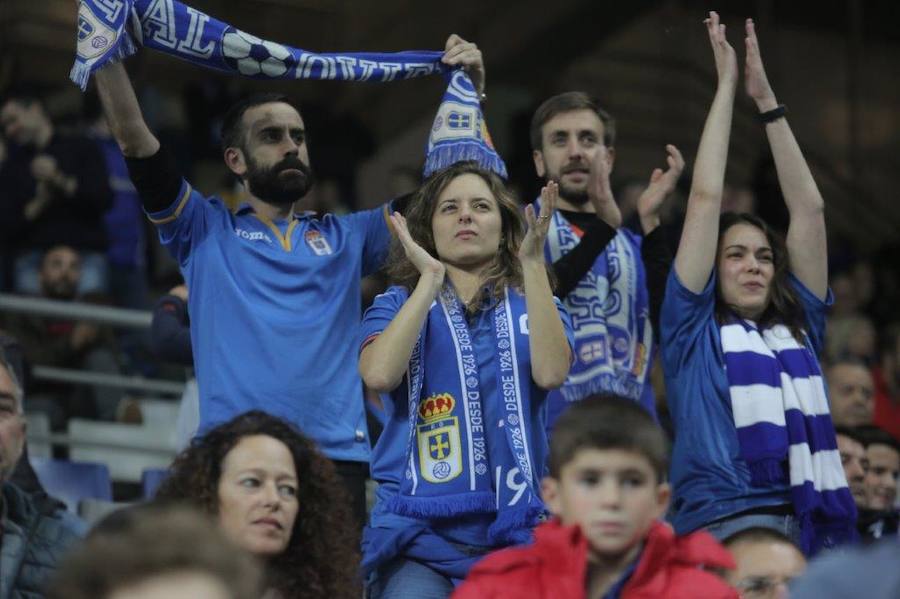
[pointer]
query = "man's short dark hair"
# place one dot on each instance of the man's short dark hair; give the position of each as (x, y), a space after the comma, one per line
(759, 534)
(608, 422)
(889, 337)
(232, 122)
(851, 432)
(845, 360)
(567, 102)
(872, 435)
(24, 95)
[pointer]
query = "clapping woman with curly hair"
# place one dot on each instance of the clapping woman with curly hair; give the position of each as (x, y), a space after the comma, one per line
(276, 496)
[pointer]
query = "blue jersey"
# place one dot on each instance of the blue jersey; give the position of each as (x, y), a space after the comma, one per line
(388, 458)
(274, 313)
(710, 479)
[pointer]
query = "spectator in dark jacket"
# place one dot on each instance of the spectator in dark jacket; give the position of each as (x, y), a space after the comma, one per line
(34, 532)
(53, 190)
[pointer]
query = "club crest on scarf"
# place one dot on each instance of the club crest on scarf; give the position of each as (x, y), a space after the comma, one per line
(438, 438)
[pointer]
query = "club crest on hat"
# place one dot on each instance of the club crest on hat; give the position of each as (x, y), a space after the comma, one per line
(459, 131)
(440, 459)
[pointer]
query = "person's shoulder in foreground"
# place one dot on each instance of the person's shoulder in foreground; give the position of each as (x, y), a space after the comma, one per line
(607, 491)
(869, 572)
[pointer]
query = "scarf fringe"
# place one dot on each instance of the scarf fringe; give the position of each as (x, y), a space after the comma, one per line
(444, 155)
(81, 70)
(514, 527)
(449, 506)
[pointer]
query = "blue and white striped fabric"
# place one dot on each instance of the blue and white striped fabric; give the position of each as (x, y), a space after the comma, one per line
(781, 413)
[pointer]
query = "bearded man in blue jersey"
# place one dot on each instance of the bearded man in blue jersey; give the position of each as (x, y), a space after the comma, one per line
(274, 292)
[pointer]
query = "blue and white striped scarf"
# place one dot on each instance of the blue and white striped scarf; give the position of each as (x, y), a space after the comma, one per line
(610, 310)
(111, 30)
(450, 471)
(784, 428)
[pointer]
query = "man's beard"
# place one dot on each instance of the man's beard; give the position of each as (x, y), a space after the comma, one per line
(60, 290)
(577, 197)
(273, 187)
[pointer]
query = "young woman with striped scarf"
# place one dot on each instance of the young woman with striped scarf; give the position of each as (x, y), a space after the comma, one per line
(463, 349)
(742, 323)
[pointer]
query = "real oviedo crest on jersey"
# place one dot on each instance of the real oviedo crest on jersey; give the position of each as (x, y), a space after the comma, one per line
(317, 242)
(440, 459)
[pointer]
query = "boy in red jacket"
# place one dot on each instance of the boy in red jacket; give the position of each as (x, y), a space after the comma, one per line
(607, 491)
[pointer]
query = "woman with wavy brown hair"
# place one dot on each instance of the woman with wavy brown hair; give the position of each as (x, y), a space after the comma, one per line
(463, 349)
(276, 496)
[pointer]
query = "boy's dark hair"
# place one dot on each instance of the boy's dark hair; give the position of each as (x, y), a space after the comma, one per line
(232, 122)
(608, 422)
(758, 534)
(567, 102)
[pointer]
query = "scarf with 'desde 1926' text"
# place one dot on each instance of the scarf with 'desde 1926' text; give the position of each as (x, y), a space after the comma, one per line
(457, 462)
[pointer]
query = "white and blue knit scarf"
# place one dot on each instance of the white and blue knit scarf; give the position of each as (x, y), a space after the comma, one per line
(449, 469)
(111, 30)
(784, 428)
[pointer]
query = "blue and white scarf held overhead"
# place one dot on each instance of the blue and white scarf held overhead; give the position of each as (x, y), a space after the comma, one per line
(111, 30)
(784, 428)
(610, 310)
(449, 468)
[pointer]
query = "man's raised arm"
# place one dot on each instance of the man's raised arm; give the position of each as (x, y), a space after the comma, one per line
(123, 113)
(154, 172)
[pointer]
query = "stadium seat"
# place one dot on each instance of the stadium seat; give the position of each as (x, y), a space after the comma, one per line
(127, 449)
(151, 478)
(70, 482)
(38, 432)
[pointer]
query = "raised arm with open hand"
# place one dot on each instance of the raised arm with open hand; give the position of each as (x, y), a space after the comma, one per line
(384, 361)
(806, 240)
(696, 254)
(662, 183)
(550, 353)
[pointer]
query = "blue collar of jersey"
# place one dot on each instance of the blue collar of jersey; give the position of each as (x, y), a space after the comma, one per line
(245, 207)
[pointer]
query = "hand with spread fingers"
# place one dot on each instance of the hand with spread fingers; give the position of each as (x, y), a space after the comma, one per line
(755, 80)
(532, 247)
(726, 59)
(459, 52)
(662, 183)
(425, 263)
